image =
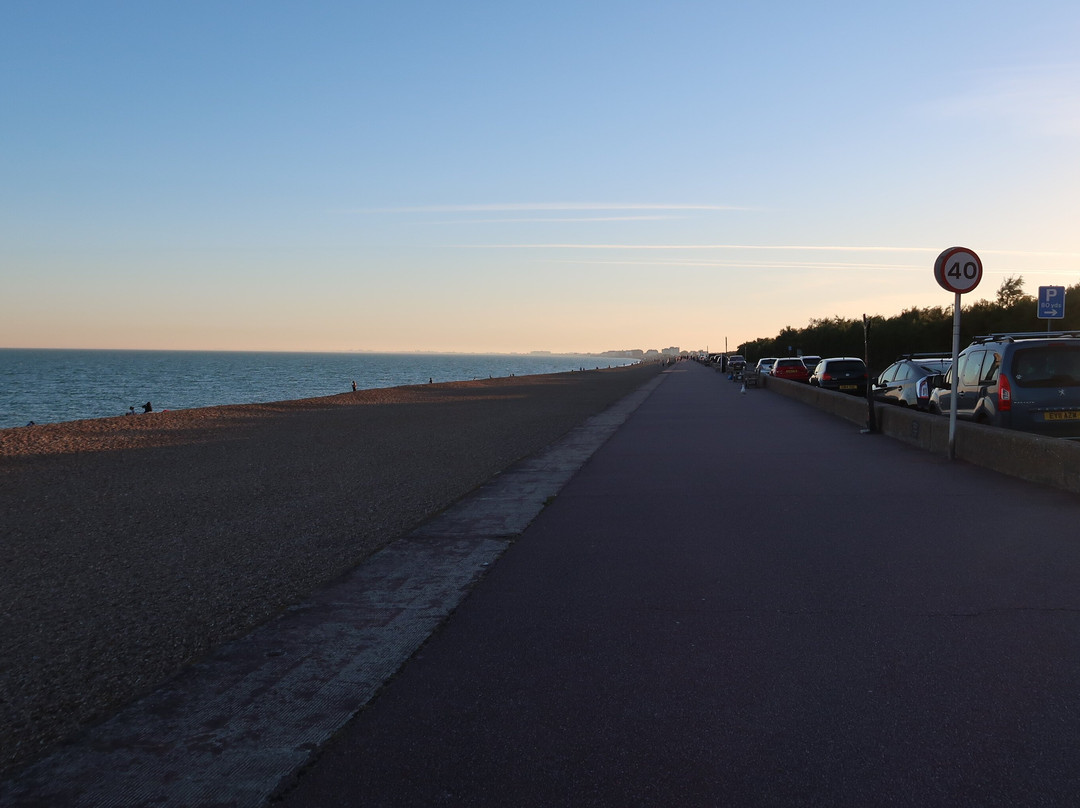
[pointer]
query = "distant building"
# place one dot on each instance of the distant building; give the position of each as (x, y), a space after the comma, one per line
(670, 352)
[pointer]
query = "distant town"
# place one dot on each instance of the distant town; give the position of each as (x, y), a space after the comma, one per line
(637, 353)
(633, 353)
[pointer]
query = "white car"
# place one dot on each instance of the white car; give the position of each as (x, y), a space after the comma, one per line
(764, 366)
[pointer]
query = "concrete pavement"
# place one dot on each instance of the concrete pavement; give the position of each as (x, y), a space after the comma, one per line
(739, 600)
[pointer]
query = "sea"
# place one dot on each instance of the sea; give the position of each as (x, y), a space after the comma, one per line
(52, 385)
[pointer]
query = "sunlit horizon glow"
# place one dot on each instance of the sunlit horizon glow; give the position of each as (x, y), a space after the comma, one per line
(371, 178)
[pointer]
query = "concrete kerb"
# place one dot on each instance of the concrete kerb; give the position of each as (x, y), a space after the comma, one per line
(1038, 459)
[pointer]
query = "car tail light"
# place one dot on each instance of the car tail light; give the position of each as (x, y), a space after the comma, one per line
(922, 390)
(1004, 394)
(825, 377)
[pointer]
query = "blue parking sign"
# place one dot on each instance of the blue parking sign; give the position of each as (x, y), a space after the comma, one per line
(1051, 302)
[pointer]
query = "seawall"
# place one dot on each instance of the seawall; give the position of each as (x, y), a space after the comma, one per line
(1047, 461)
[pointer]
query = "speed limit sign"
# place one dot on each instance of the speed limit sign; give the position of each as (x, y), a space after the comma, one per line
(958, 269)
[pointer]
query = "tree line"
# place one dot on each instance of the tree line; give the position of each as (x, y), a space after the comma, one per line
(917, 330)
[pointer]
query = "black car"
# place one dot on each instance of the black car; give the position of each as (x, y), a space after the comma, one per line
(844, 373)
(907, 380)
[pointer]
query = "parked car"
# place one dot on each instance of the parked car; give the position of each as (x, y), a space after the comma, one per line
(811, 363)
(907, 380)
(846, 374)
(1025, 381)
(791, 367)
(736, 367)
(764, 366)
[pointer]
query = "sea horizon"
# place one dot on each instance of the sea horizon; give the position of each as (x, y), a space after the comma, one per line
(410, 352)
(51, 385)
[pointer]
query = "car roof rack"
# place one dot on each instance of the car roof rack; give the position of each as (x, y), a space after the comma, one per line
(1022, 335)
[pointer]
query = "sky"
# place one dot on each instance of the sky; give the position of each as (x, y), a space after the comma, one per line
(509, 177)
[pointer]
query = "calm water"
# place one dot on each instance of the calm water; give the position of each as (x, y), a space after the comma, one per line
(65, 385)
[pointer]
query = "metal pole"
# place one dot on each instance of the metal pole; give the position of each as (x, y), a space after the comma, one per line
(955, 369)
(871, 415)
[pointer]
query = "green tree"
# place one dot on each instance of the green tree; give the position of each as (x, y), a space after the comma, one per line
(1011, 291)
(915, 330)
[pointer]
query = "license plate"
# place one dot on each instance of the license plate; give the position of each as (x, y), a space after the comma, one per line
(849, 387)
(1071, 415)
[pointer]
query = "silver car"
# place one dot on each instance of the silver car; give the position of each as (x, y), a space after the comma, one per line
(907, 380)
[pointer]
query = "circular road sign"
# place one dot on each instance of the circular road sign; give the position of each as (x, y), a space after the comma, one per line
(958, 269)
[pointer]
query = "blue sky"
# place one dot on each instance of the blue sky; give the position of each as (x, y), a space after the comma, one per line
(496, 177)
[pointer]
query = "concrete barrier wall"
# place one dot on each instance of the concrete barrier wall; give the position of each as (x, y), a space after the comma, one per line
(1048, 461)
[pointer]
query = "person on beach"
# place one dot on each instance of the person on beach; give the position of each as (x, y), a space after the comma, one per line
(354, 385)
(147, 408)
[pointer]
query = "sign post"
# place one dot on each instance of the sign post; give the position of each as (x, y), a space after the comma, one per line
(871, 414)
(956, 270)
(1051, 304)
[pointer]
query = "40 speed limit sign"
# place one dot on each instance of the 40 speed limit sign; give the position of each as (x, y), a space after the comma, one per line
(958, 269)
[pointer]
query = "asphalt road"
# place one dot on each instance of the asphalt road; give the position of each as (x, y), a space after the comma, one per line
(742, 601)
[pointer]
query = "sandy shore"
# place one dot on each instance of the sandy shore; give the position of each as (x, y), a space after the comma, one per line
(131, 546)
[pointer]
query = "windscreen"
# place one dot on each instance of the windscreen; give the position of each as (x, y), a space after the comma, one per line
(1047, 366)
(934, 365)
(846, 367)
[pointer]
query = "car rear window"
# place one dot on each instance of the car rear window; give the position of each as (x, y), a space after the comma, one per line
(845, 366)
(1047, 366)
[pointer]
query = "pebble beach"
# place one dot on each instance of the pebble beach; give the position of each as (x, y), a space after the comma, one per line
(131, 546)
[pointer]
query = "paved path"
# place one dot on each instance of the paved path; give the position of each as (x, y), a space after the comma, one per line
(741, 601)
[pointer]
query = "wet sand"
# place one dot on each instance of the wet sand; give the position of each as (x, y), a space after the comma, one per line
(131, 546)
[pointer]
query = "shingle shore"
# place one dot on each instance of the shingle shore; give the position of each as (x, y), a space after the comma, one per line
(130, 546)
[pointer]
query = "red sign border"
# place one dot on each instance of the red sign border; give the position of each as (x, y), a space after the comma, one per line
(943, 260)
